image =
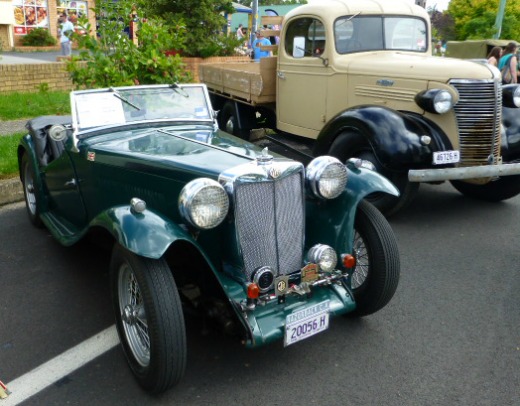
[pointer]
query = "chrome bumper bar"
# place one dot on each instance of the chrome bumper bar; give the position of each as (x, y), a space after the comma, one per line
(471, 172)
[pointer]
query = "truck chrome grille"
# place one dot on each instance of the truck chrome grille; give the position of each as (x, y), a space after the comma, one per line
(269, 218)
(478, 115)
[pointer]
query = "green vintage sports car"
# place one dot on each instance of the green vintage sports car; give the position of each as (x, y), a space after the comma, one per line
(198, 219)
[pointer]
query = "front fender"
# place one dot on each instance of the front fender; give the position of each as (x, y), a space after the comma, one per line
(395, 137)
(332, 221)
(147, 234)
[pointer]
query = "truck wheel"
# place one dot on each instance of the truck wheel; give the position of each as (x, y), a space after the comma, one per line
(376, 275)
(494, 191)
(228, 120)
(149, 319)
(32, 203)
(353, 145)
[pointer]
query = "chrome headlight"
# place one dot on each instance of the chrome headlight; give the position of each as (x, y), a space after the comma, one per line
(326, 177)
(435, 101)
(324, 256)
(203, 203)
(511, 96)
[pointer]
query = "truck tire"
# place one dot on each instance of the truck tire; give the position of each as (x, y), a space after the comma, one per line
(351, 144)
(228, 120)
(494, 191)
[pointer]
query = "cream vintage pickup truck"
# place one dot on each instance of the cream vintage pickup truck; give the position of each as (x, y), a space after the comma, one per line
(358, 79)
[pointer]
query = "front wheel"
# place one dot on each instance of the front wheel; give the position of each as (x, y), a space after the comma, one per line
(351, 144)
(32, 202)
(149, 319)
(494, 191)
(376, 275)
(228, 120)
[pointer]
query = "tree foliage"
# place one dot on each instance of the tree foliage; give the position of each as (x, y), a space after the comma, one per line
(475, 19)
(113, 59)
(204, 21)
(443, 26)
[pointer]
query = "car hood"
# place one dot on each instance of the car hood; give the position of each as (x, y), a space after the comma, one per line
(165, 151)
(413, 67)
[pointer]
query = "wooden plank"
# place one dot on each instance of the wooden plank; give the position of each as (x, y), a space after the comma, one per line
(272, 20)
(268, 47)
(271, 33)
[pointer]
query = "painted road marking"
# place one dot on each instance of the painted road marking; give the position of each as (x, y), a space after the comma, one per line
(57, 368)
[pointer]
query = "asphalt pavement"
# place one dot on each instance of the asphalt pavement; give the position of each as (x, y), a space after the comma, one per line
(14, 57)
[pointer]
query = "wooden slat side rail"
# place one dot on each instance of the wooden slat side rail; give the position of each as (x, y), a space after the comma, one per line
(268, 47)
(271, 33)
(272, 20)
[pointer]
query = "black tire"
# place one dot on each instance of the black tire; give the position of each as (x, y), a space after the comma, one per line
(376, 275)
(149, 319)
(353, 145)
(32, 202)
(494, 191)
(228, 120)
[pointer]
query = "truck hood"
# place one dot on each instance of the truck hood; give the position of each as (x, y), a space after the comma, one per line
(414, 67)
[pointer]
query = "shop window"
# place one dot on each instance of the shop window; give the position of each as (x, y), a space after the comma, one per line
(29, 14)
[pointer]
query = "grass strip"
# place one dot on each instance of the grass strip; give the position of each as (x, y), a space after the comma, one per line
(18, 106)
(8, 157)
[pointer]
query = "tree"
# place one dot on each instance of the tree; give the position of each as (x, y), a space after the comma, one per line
(475, 19)
(113, 59)
(442, 24)
(204, 21)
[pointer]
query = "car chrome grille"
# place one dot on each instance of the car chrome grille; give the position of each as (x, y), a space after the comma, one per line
(269, 218)
(478, 113)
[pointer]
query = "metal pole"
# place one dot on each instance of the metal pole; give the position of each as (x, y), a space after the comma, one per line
(255, 22)
(500, 17)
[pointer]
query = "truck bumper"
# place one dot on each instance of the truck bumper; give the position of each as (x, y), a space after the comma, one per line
(484, 171)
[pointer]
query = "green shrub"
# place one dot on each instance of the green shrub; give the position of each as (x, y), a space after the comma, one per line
(38, 37)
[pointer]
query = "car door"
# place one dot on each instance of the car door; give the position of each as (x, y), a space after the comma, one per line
(302, 77)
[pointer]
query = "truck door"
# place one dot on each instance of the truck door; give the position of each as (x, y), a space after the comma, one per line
(302, 77)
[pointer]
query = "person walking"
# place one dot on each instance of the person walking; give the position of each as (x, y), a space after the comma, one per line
(494, 56)
(257, 43)
(240, 31)
(66, 30)
(508, 64)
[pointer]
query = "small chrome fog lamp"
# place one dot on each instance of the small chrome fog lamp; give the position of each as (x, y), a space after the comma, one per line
(324, 256)
(326, 177)
(137, 205)
(203, 203)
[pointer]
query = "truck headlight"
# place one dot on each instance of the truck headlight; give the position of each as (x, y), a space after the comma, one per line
(203, 203)
(324, 256)
(436, 101)
(326, 177)
(511, 96)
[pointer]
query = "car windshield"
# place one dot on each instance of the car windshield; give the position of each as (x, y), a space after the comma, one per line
(369, 33)
(124, 105)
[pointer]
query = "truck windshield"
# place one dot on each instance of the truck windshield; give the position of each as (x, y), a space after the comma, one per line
(369, 33)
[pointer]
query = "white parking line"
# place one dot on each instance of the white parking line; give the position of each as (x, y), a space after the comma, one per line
(52, 371)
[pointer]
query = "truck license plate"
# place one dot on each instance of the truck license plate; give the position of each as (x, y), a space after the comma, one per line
(446, 157)
(307, 322)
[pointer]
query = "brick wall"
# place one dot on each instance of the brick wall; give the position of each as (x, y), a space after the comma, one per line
(29, 77)
(4, 36)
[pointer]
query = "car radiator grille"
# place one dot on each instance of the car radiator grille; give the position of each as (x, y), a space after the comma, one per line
(478, 115)
(269, 218)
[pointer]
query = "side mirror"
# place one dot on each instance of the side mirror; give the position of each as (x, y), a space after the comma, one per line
(298, 47)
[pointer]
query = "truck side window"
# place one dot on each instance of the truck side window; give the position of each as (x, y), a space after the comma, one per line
(313, 32)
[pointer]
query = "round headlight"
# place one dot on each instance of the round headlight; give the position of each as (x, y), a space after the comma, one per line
(326, 177)
(324, 256)
(442, 102)
(437, 101)
(511, 96)
(203, 203)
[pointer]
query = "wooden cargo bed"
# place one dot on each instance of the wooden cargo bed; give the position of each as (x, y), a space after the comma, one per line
(253, 82)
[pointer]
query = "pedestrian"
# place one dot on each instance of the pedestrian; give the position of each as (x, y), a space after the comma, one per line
(65, 31)
(508, 64)
(240, 31)
(257, 43)
(494, 56)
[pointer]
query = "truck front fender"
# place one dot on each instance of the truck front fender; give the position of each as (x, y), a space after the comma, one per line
(511, 140)
(147, 234)
(332, 221)
(395, 137)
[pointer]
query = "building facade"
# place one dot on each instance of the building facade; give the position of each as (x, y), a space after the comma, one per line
(18, 17)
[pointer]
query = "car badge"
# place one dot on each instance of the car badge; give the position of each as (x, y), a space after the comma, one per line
(91, 156)
(310, 273)
(275, 172)
(385, 82)
(281, 284)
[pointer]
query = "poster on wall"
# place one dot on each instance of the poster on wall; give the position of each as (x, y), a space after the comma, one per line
(74, 9)
(29, 14)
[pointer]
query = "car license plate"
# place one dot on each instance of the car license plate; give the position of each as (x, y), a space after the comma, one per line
(307, 322)
(446, 157)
